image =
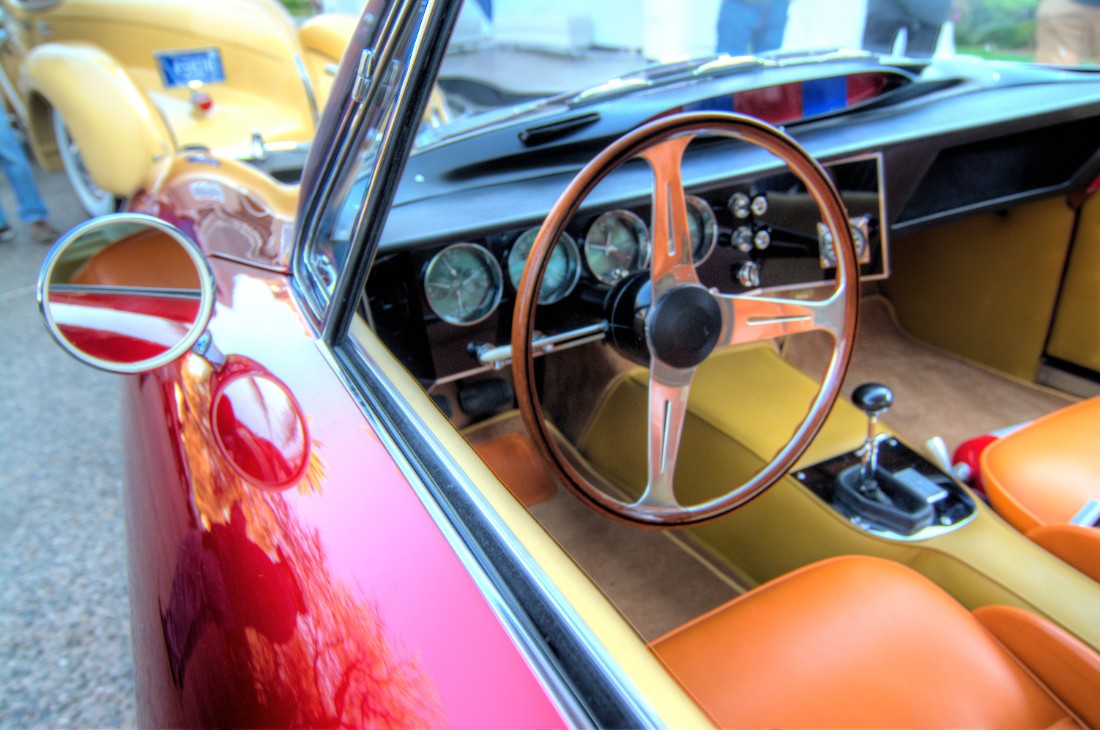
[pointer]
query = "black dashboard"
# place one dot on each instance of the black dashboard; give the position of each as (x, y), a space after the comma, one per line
(446, 309)
(974, 140)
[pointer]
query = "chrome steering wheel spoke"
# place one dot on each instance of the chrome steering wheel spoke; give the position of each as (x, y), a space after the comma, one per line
(671, 264)
(748, 319)
(668, 399)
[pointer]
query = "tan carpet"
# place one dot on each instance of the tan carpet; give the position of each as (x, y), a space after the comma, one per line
(936, 393)
(654, 582)
(652, 577)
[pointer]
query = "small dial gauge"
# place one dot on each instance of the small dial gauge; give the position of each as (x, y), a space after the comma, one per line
(561, 273)
(703, 227)
(617, 245)
(463, 284)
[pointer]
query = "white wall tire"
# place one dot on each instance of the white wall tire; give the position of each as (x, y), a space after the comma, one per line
(94, 200)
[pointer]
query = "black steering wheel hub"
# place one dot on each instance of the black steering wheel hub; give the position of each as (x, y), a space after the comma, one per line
(684, 325)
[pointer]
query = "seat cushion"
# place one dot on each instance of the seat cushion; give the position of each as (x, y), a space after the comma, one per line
(1045, 472)
(854, 642)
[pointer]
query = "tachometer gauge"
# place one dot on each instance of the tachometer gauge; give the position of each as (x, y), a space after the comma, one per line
(463, 284)
(561, 273)
(703, 227)
(617, 245)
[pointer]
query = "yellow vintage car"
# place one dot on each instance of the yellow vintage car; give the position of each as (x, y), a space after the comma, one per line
(104, 88)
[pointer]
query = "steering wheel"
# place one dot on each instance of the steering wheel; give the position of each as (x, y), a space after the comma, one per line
(686, 322)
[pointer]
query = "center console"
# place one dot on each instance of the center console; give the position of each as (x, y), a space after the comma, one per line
(886, 488)
(928, 502)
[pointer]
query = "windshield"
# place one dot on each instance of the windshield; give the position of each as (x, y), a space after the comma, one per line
(511, 57)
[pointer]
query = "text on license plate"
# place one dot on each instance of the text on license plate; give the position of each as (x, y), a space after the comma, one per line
(180, 68)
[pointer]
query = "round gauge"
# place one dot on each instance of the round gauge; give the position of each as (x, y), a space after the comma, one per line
(703, 227)
(463, 284)
(616, 246)
(561, 273)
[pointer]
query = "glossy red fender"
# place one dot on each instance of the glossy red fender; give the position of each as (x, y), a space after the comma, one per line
(335, 600)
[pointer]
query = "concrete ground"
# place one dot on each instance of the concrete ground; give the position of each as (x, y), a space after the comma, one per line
(64, 607)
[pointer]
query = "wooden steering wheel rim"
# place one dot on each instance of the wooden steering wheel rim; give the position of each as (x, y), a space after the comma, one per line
(846, 291)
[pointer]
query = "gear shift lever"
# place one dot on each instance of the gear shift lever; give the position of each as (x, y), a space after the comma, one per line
(874, 400)
(900, 501)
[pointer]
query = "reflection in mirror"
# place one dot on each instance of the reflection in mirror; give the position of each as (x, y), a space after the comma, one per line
(126, 293)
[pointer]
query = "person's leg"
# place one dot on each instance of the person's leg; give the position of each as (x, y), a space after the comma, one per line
(6, 232)
(735, 24)
(884, 19)
(1091, 20)
(16, 167)
(1063, 32)
(773, 21)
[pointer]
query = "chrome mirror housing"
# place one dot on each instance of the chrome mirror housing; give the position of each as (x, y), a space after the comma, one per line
(126, 293)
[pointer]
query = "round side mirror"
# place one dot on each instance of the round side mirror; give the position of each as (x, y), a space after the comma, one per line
(126, 293)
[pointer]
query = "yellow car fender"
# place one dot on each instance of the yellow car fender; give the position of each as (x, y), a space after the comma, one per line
(117, 130)
(324, 38)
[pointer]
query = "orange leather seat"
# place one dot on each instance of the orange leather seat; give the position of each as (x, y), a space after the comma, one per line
(1039, 476)
(864, 642)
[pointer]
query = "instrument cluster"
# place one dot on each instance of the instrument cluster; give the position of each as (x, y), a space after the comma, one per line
(761, 234)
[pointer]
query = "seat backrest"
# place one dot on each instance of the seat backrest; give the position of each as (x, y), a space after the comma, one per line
(1045, 472)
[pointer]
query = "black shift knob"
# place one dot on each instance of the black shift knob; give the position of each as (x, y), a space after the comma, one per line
(873, 399)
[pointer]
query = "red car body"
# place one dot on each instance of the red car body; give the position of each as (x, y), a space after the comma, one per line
(285, 605)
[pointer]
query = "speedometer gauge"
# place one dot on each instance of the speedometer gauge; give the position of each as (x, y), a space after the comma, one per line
(561, 273)
(617, 245)
(463, 284)
(703, 227)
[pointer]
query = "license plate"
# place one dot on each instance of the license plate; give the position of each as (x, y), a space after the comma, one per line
(180, 68)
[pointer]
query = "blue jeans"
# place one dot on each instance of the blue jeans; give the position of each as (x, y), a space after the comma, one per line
(17, 169)
(751, 26)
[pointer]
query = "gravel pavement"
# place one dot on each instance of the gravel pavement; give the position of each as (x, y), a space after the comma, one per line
(64, 607)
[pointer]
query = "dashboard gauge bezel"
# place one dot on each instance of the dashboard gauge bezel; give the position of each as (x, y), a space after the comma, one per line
(496, 283)
(565, 244)
(637, 226)
(709, 221)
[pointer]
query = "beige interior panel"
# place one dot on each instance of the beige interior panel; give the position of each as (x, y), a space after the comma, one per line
(1075, 336)
(744, 407)
(985, 287)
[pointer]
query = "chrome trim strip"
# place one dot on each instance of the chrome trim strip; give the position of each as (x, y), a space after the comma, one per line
(331, 163)
(1089, 515)
(499, 356)
(247, 153)
(311, 96)
(133, 291)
